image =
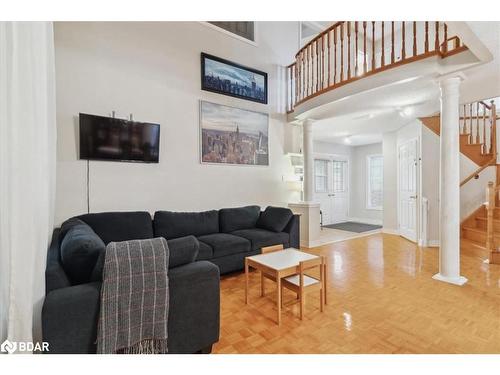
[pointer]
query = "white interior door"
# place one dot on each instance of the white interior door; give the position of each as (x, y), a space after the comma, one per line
(339, 191)
(322, 183)
(408, 190)
(331, 189)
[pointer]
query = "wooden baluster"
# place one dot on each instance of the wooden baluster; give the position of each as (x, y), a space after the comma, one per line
(392, 42)
(464, 127)
(311, 69)
(323, 61)
(382, 59)
(485, 146)
(445, 45)
(318, 54)
(403, 47)
(329, 56)
(341, 52)
(414, 38)
(300, 76)
(436, 41)
(490, 198)
(334, 56)
(373, 45)
(471, 138)
(493, 121)
(364, 47)
(307, 72)
(477, 123)
(426, 44)
(348, 50)
(356, 68)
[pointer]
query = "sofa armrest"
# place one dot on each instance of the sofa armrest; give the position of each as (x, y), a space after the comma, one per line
(293, 229)
(69, 318)
(183, 250)
(55, 277)
(194, 315)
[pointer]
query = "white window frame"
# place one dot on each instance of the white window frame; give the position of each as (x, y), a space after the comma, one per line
(327, 183)
(344, 175)
(368, 179)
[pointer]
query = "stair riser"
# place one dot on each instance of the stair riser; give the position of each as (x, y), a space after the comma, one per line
(478, 236)
(483, 224)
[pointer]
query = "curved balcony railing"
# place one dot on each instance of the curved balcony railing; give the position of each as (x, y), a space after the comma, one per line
(351, 50)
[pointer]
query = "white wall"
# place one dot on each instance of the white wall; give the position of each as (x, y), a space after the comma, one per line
(153, 71)
(331, 148)
(389, 151)
(429, 182)
(357, 208)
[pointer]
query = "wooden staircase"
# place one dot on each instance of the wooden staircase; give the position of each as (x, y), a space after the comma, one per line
(480, 232)
(473, 147)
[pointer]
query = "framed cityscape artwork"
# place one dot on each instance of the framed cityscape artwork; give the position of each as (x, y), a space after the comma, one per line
(225, 77)
(233, 136)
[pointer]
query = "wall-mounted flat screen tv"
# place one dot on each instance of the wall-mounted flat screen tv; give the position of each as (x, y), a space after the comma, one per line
(107, 138)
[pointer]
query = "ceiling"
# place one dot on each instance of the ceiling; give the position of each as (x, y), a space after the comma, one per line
(389, 109)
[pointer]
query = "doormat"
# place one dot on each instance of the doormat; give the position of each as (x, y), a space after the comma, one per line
(353, 226)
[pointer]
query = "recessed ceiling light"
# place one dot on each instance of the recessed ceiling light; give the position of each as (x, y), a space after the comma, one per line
(406, 112)
(347, 140)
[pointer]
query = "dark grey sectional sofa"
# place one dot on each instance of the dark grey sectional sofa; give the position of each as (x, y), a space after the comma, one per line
(202, 246)
(229, 235)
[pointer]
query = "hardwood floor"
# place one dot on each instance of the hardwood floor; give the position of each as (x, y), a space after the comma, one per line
(381, 299)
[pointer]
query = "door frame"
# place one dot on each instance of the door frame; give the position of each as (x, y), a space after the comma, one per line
(331, 158)
(418, 202)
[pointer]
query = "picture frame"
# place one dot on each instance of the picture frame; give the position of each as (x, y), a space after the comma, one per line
(233, 136)
(228, 78)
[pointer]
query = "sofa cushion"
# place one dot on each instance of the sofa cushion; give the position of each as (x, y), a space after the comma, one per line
(274, 219)
(262, 237)
(206, 252)
(182, 250)
(169, 224)
(225, 244)
(232, 219)
(80, 249)
(120, 226)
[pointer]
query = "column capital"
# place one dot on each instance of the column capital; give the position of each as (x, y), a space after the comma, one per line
(453, 79)
(308, 123)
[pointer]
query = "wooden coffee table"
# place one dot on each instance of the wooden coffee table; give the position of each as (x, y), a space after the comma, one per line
(278, 265)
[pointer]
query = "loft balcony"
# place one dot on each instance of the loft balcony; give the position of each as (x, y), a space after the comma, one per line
(351, 57)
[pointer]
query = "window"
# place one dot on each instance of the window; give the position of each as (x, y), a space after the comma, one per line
(374, 183)
(321, 175)
(244, 29)
(339, 171)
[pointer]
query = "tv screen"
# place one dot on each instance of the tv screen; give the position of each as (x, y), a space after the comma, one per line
(106, 138)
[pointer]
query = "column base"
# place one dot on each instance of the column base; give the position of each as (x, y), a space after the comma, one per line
(451, 280)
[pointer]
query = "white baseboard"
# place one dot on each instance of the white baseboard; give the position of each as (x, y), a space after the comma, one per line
(365, 221)
(390, 231)
(433, 243)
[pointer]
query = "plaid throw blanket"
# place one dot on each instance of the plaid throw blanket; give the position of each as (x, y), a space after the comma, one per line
(134, 298)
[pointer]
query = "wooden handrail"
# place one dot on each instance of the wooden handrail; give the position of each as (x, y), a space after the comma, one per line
(475, 174)
(339, 54)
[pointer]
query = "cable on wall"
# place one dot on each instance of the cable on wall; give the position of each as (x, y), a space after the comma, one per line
(88, 186)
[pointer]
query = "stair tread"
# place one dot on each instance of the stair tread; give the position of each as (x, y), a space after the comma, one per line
(484, 218)
(472, 242)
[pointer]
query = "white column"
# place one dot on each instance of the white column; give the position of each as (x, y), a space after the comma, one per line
(449, 188)
(308, 160)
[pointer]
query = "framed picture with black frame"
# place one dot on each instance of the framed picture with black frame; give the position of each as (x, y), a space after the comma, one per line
(225, 77)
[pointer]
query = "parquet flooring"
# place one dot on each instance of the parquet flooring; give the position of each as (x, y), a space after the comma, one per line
(381, 299)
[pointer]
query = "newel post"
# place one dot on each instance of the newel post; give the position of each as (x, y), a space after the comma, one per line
(490, 199)
(494, 254)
